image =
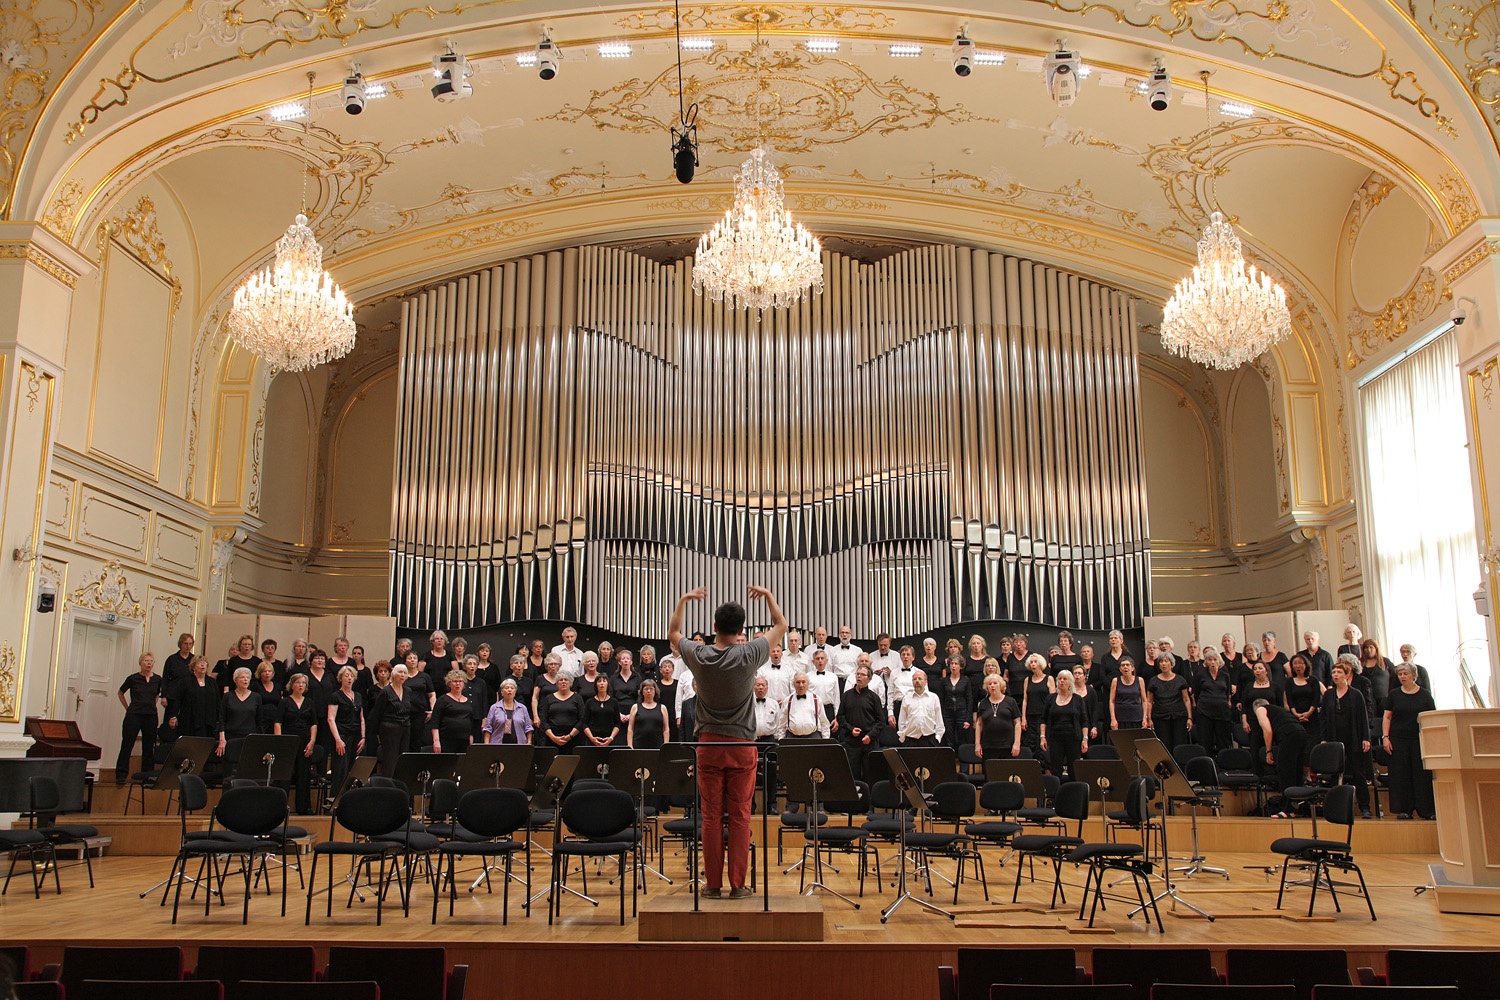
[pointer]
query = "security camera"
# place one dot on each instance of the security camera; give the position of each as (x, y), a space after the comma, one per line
(354, 93)
(452, 72)
(47, 597)
(1061, 68)
(1160, 93)
(548, 55)
(963, 55)
(1460, 313)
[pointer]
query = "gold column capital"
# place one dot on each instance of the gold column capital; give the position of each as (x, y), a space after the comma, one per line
(35, 244)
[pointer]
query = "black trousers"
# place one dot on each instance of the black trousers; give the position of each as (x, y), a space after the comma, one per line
(920, 741)
(858, 754)
(1215, 734)
(302, 772)
(1173, 732)
(1063, 749)
(1357, 772)
(133, 726)
(341, 762)
(1289, 750)
(1411, 783)
(1031, 737)
(393, 741)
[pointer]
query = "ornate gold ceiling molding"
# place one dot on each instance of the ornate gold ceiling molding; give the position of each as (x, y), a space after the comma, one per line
(139, 232)
(33, 254)
(109, 591)
(832, 19)
(1368, 332)
(38, 42)
(213, 33)
(1471, 258)
(789, 100)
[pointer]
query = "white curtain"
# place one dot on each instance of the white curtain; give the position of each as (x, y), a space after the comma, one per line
(1421, 517)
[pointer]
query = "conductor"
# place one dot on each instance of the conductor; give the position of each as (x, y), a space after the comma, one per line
(724, 673)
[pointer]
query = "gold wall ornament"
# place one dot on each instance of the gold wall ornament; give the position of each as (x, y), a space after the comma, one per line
(63, 208)
(816, 19)
(490, 234)
(1485, 377)
(138, 231)
(33, 389)
(109, 591)
(172, 607)
(10, 684)
(1368, 332)
(1460, 201)
(39, 40)
(1367, 197)
(1471, 258)
(40, 258)
(790, 101)
(1046, 233)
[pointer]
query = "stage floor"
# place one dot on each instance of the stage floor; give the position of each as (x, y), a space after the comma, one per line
(859, 954)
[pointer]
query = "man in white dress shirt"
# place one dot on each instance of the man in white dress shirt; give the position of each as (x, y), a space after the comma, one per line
(820, 642)
(568, 651)
(921, 722)
(825, 684)
(803, 717)
(884, 659)
(845, 656)
(777, 675)
(796, 658)
(902, 681)
(768, 712)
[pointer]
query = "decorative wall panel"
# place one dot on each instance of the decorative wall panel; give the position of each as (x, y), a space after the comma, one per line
(947, 434)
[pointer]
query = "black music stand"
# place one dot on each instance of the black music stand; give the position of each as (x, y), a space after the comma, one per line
(906, 784)
(189, 755)
(593, 762)
(497, 765)
(814, 771)
(541, 762)
(1110, 778)
(359, 775)
(549, 790)
(276, 754)
(1150, 757)
(421, 769)
(931, 766)
(635, 771)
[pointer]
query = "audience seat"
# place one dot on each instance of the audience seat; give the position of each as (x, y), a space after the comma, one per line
(1197, 991)
(264, 990)
(981, 968)
(406, 973)
(162, 963)
(148, 989)
(1475, 973)
(1303, 968)
(1012, 991)
(232, 963)
(1143, 968)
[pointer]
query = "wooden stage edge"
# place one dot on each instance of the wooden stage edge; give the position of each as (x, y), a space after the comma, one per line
(587, 948)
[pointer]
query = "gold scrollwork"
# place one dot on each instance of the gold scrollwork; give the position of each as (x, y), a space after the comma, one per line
(35, 255)
(33, 388)
(139, 232)
(1368, 332)
(486, 235)
(173, 609)
(788, 100)
(810, 18)
(1470, 259)
(9, 684)
(109, 591)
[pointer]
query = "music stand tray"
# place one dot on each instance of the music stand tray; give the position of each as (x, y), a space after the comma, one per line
(906, 784)
(593, 762)
(1115, 772)
(359, 775)
(817, 772)
(189, 755)
(541, 760)
(931, 766)
(625, 767)
(268, 759)
(501, 765)
(1028, 773)
(552, 784)
(1150, 757)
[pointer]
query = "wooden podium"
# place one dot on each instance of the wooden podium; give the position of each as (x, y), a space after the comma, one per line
(1462, 749)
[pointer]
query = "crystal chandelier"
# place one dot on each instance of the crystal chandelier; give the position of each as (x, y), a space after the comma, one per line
(1226, 312)
(292, 315)
(756, 256)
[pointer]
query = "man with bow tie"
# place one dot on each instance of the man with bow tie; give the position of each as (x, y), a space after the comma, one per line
(824, 683)
(777, 675)
(844, 657)
(767, 724)
(803, 716)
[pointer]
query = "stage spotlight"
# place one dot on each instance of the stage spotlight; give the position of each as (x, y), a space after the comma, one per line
(354, 92)
(548, 56)
(452, 72)
(1160, 90)
(963, 54)
(1061, 68)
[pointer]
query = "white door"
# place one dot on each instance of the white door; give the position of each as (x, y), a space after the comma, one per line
(98, 658)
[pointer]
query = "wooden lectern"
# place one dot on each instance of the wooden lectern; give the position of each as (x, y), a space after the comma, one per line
(1462, 750)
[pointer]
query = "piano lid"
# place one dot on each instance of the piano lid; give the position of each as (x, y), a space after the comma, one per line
(58, 738)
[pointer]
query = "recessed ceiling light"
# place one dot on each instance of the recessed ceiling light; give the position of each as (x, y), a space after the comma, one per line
(374, 91)
(905, 50)
(988, 57)
(525, 59)
(288, 112)
(822, 45)
(697, 44)
(1234, 109)
(614, 50)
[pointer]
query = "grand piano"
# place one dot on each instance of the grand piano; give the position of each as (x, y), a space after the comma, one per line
(59, 750)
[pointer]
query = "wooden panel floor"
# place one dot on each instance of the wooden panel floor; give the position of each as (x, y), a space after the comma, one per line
(865, 957)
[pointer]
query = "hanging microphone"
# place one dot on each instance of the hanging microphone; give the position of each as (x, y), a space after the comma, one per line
(685, 152)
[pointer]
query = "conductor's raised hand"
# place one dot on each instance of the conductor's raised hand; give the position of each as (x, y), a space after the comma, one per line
(696, 594)
(758, 593)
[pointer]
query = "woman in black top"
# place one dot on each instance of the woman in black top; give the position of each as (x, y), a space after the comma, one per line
(239, 716)
(422, 690)
(956, 696)
(1214, 694)
(451, 721)
(1302, 696)
(974, 664)
(1261, 686)
(562, 714)
(1038, 688)
(1083, 688)
(1065, 658)
(394, 711)
(601, 716)
(1411, 784)
(996, 735)
(380, 679)
(364, 677)
(265, 687)
(1345, 721)
(666, 693)
(1064, 726)
(1169, 704)
(439, 656)
(545, 687)
(196, 702)
(625, 688)
(477, 690)
(346, 721)
(517, 672)
(647, 728)
(1285, 741)
(299, 718)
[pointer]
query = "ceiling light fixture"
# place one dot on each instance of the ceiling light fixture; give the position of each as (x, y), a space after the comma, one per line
(963, 54)
(289, 112)
(697, 44)
(822, 46)
(1234, 109)
(756, 256)
(905, 50)
(548, 57)
(292, 315)
(1225, 312)
(988, 57)
(451, 72)
(614, 50)
(1062, 70)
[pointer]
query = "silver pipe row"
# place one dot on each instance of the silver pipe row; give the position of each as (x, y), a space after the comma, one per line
(946, 434)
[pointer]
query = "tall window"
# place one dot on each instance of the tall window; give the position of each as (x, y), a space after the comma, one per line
(1421, 518)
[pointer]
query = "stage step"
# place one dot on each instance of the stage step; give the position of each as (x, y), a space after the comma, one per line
(672, 918)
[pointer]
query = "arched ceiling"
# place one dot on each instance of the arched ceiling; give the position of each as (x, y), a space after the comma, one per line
(875, 148)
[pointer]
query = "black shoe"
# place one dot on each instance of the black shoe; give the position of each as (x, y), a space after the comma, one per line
(1364, 814)
(741, 892)
(712, 893)
(1403, 815)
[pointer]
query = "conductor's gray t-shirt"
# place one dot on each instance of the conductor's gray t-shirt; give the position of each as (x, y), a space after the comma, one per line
(725, 679)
